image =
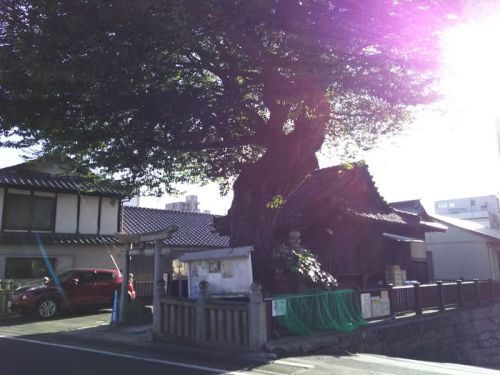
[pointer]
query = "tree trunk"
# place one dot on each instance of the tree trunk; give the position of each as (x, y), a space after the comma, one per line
(278, 172)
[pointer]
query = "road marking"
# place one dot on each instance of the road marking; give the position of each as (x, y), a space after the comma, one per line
(434, 368)
(293, 364)
(129, 356)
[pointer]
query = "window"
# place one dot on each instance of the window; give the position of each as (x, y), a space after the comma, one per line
(26, 211)
(87, 277)
(106, 276)
(27, 268)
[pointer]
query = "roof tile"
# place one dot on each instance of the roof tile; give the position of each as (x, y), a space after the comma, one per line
(60, 183)
(195, 229)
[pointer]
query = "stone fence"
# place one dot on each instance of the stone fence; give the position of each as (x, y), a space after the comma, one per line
(6, 286)
(213, 321)
(470, 335)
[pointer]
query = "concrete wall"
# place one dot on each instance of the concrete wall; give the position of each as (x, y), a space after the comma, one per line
(467, 336)
(458, 253)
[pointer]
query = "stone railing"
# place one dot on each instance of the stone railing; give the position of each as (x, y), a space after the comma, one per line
(214, 322)
(6, 286)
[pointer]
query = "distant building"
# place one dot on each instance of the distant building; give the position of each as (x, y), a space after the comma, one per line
(135, 201)
(190, 205)
(483, 210)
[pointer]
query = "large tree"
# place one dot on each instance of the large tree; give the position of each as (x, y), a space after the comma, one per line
(168, 91)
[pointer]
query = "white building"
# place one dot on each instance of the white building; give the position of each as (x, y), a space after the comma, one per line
(483, 210)
(52, 221)
(190, 205)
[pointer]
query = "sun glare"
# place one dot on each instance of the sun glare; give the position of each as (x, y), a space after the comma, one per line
(471, 65)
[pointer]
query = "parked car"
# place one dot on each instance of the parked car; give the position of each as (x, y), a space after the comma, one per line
(71, 290)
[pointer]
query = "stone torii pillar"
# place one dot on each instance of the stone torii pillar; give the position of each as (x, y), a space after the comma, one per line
(130, 239)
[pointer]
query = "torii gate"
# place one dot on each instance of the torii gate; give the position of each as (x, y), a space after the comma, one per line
(130, 239)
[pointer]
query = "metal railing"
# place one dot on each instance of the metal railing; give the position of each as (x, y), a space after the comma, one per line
(439, 296)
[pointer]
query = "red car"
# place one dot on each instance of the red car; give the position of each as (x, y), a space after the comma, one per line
(73, 289)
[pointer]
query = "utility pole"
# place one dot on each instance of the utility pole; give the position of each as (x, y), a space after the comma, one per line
(129, 240)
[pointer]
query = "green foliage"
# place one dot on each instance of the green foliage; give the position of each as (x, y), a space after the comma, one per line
(303, 263)
(276, 202)
(189, 91)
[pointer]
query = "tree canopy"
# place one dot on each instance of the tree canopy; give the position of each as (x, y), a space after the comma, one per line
(187, 90)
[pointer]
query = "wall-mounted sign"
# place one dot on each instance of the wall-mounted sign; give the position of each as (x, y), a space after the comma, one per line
(279, 307)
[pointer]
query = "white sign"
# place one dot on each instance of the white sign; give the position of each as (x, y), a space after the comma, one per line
(380, 307)
(279, 307)
(366, 305)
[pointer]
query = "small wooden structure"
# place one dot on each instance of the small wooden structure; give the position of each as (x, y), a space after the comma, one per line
(227, 271)
(353, 232)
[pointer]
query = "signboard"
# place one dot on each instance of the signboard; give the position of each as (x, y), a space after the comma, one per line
(376, 306)
(279, 307)
(380, 307)
(366, 305)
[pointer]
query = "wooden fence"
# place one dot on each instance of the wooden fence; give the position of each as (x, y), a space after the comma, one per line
(214, 322)
(439, 296)
(144, 289)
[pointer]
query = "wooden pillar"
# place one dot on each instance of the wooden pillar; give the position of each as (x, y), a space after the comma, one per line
(461, 300)
(478, 291)
(417, 298)
(392, 301)
(442, 302)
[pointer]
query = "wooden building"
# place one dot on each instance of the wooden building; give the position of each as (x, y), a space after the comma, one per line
(355, 234)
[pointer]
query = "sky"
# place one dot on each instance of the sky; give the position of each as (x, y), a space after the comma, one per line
(449, 151)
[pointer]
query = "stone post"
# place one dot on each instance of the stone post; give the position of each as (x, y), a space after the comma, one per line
(201, 327)
(461, 300)
(124, 287)
(257, 335)
(442, 302)
(417, 298)
(158, 292)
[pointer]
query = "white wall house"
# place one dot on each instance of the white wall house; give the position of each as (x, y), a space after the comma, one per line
(466, 250)
(54, 220)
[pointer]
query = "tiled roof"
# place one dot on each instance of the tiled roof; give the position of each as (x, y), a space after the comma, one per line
(56, 239)
(376, 214)
(349, 191)
(415, 207)
(69, 184)
(195, 229)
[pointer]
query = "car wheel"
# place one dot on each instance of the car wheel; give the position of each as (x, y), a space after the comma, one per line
(47, 309)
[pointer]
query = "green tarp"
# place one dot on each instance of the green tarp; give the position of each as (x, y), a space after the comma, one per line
(313, 311)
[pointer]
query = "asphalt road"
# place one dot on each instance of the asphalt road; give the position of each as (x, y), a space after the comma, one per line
(19, 356)
(36, 348)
